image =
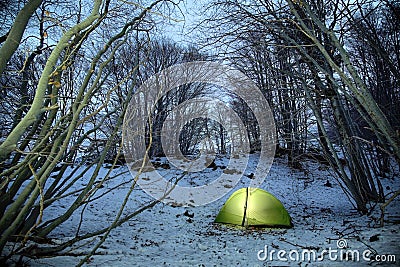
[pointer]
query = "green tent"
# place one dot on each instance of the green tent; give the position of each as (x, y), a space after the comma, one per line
(254, 207)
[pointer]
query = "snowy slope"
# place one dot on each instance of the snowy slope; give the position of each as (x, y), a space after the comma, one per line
(182, 236)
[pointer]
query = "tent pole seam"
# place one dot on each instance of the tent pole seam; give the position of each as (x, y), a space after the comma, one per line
(245, 206)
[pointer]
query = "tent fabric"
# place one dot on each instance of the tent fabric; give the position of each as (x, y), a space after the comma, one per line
(254, 207)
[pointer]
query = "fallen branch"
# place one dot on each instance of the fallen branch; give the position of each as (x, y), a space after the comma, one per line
(300, 246)
(384, 205)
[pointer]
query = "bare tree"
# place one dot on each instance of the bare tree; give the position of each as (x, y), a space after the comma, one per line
(72, 90)
(296, 52)
(159, 55)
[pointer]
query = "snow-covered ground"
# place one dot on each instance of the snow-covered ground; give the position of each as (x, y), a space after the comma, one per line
(166, 235)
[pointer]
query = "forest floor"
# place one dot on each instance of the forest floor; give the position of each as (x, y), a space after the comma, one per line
(327, 230)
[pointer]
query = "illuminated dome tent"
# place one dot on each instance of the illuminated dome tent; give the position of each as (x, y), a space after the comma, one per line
(254, 207)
